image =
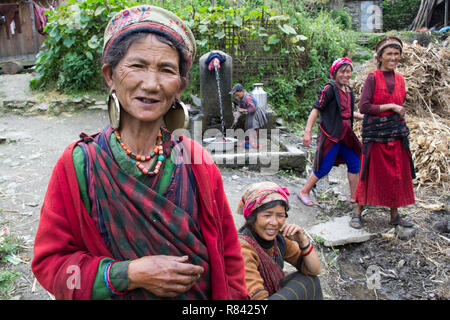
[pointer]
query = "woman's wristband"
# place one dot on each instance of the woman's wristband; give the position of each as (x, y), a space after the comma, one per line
(309, 251)
(306, 247)
(107, 279)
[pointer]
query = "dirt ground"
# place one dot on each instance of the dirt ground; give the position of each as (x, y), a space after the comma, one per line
(416, 268)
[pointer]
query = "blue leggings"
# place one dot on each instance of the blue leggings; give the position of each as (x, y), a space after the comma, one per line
(349, 156)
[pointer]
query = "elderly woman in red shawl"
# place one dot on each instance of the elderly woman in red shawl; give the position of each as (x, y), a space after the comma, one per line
(387, 166)
(267, 241)
(134, 212)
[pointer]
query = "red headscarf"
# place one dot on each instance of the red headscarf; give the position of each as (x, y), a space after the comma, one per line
(261, 193)
(337, 64)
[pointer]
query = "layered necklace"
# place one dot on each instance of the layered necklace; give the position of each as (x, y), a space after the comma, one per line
(138, 159)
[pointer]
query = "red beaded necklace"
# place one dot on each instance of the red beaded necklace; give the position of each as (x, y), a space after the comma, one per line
(137, 159)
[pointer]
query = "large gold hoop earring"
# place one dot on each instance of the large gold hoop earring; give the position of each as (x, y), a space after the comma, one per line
(114, 110)
(177, 117)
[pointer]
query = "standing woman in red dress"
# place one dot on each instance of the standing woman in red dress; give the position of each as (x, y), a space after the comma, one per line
(387, 169)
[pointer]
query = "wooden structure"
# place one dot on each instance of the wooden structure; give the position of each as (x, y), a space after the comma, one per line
(22, 47)
(431, 13)
(247, 49)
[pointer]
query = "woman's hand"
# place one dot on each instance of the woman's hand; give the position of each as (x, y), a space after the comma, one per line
(164, 276)
(242, 110)
(398, 109)
(295, 233)
(358, 116)
(307, 138)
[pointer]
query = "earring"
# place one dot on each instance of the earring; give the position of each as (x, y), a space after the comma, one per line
(177, 117)
(175, 104)
(114, 110)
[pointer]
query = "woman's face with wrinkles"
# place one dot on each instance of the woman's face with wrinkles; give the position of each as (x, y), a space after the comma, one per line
(147, 79)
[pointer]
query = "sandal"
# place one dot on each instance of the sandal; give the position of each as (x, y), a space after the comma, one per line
(401, 221)
(306, 200)
(356, 222)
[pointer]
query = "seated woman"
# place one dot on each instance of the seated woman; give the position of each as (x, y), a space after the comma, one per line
(267, 241)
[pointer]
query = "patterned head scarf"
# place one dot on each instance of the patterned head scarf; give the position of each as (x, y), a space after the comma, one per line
(389, 41)
(339, 63)
(261, 193)
(154, 19)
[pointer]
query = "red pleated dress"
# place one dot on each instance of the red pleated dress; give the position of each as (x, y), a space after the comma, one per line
(388, 178)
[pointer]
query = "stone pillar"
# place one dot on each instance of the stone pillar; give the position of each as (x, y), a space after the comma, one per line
(210, 94)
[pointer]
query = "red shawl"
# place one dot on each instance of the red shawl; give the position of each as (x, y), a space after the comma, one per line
(68, 247)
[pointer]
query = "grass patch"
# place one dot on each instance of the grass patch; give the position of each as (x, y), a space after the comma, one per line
(7, 278)
(9, 245)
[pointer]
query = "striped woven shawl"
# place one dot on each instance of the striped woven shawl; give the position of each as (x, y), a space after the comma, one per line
(137, 220)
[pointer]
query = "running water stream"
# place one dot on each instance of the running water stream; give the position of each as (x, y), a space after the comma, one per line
(222, 122)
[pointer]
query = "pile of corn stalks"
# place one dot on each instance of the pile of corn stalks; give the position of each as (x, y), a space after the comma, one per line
(430, 144)
(427, 79)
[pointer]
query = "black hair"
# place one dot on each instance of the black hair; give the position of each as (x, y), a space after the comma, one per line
(252, 218)
(120, 47)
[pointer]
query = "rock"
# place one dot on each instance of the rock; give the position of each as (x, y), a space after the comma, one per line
(79, 100)
(400, 264)
(42, 107)
(337, 232)
(12, 67)
(196, 100)
(56, 110)
(18, 105)
(98, 107)
(441, 225)
(405, 233)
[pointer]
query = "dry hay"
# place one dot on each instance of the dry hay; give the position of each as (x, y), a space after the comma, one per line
(430, 148)
(430, 145)
(427, 79)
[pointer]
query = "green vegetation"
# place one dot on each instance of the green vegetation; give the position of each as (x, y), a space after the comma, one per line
(399, 14)
(9, 246)
(309, 37)
(7, 278)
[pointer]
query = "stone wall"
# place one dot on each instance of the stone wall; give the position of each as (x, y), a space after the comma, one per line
(354, 9)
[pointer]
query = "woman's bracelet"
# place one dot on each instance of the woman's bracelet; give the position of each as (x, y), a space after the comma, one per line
(306, 247)
(107, 279)
(309, 251)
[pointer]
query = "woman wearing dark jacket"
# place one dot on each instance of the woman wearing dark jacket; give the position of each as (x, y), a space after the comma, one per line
(336, 141)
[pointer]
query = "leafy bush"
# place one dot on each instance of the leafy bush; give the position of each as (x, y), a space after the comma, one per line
(71, 55)
(70, 59)
(343, 18)
(399, 14)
